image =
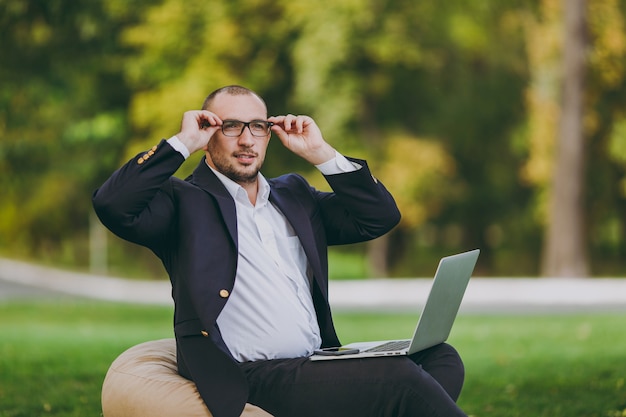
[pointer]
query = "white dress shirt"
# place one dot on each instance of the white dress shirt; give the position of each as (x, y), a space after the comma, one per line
(270, 312)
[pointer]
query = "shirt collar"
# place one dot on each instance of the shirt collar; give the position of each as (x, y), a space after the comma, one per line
(234, 189)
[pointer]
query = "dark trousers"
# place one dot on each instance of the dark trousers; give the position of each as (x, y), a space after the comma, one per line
(425, 384)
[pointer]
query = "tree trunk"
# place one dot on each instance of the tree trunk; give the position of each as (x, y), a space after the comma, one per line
(565, 249)
(378, 257)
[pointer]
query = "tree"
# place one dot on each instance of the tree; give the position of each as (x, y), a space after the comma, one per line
(448, 102)
(375, 75)
(565, 249)
(62, 118)
(576, 206)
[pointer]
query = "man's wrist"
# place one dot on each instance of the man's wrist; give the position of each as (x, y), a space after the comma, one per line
(337, 165)
(179, 146)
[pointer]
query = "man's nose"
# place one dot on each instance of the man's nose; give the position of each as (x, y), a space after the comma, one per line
(246, 137)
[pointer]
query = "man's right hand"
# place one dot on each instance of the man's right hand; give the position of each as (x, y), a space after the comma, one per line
(197, 128)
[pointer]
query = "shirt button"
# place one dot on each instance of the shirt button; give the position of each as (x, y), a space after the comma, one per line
(224, 293)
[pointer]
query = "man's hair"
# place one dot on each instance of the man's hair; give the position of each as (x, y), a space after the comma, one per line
(233, 90)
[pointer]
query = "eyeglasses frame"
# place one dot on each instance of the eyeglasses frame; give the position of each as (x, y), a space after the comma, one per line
(246, 124)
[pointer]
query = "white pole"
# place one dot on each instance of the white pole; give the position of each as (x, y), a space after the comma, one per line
(98, 262)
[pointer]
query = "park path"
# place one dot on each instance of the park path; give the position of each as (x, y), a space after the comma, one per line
(484, 295)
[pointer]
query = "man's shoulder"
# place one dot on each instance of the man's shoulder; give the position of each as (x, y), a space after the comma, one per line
(288, 180)
(176, 186)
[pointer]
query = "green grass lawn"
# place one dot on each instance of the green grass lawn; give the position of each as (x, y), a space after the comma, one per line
(528, 365)
(53, 357)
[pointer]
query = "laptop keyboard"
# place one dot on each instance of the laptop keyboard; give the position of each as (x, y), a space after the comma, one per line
(390, 346)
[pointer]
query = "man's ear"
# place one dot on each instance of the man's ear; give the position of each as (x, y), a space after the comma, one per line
(209, 160)
(206, 147)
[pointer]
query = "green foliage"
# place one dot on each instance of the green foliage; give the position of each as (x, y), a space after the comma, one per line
(451, 103)
(62, 108)
(617, 146)
(346, 264)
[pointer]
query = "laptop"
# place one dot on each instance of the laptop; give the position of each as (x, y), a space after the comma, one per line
(435, 321)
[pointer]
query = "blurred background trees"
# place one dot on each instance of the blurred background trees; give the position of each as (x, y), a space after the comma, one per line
(456, 105)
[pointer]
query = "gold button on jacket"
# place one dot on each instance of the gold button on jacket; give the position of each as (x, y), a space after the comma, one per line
(224, 293)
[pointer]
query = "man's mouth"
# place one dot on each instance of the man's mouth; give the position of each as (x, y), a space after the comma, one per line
(245, 158)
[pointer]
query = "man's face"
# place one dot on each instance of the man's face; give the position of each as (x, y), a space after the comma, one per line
(239, 158)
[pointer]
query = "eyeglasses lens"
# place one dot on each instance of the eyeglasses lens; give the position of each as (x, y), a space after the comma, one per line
(235, 128)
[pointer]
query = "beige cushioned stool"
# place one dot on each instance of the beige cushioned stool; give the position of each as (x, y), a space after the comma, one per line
(144, 382)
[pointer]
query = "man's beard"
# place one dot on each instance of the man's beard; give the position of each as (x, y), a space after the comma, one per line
(231, 171)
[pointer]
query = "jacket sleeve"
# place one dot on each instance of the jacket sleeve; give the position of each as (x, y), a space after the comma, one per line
(136, 202)
(360, 208)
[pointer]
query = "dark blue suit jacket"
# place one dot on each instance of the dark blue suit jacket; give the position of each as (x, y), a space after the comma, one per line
(191, 226)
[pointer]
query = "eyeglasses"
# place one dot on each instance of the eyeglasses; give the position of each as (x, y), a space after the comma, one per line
(234, 128)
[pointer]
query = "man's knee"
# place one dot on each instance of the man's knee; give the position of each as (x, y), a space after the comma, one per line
(445, 365)
(439, 355)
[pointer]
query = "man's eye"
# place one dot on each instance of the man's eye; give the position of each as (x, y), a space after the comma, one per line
(232, 125)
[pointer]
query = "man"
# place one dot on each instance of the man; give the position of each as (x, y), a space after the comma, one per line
(247, 259)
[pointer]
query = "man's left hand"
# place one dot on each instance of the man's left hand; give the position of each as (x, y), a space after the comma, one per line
(301, 136)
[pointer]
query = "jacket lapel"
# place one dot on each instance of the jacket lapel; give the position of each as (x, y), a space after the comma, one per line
(204, 178)
(296, 214)
(290, 206)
